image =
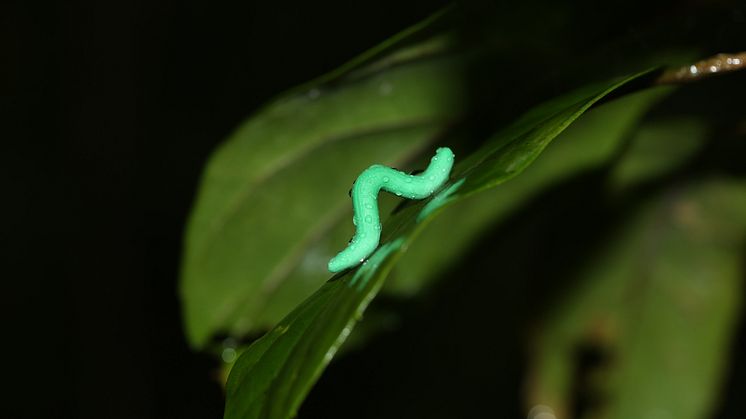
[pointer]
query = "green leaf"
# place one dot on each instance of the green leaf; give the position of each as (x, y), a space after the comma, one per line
(280, 183)
(657, 148)
(660, 300)
(273, 376)
(588, 143)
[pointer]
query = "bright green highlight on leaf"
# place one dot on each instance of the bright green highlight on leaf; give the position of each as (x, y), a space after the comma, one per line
(365, 202)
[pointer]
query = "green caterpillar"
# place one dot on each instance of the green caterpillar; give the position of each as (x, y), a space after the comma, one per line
(365, 202)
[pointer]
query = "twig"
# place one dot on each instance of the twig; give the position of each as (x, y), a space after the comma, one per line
(720, 63)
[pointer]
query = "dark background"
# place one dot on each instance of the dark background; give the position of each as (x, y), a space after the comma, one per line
(113, 108)
(109, 111)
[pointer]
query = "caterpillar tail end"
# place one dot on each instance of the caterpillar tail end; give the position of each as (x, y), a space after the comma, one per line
(351, 256)
(335, 265)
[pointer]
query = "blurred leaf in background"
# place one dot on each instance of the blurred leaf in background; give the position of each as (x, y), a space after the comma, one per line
(658, 306)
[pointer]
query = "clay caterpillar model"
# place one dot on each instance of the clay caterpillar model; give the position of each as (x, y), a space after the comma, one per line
(365, 202)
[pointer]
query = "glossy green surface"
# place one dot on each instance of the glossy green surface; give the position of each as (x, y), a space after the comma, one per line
(365, 203)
